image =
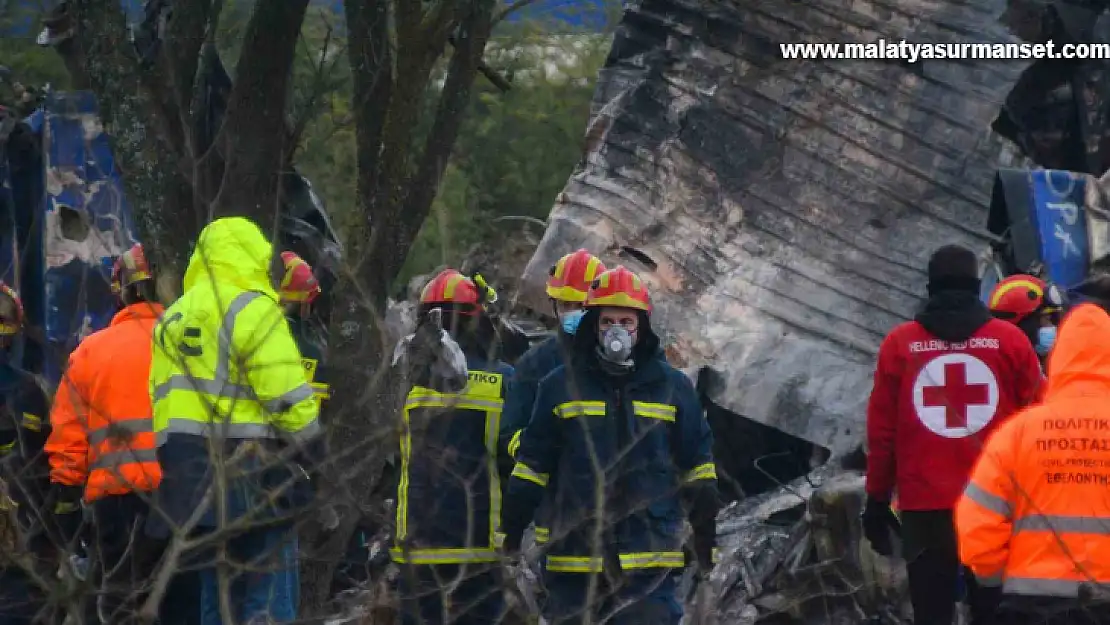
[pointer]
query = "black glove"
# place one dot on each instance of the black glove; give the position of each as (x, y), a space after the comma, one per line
(64, 505)
(983, 602)
(878, 523)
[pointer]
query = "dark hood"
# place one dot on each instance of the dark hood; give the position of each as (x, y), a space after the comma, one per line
(585, 341)
(953, 316)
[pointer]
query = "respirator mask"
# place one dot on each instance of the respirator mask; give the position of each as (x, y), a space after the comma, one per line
(615, 350)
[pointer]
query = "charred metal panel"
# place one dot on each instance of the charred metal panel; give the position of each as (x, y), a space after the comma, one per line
(86, 222)
(788, 206)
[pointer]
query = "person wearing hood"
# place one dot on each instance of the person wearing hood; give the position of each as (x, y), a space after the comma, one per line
(567, 284)
(230, 400)
(1032, 520)
(101, 446)
(620, 439)
(1031, 304)
(24, 471)
(449, 491)
(943, 383)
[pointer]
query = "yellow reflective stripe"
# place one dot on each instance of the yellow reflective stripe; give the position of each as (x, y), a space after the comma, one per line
(524, 472)
(571, 409)
(573, 564)
(6, 447)
(403, 483)
(707, 471)
(663, 412)
(493, 430)
(653, 560)
(442, 556)
(514, 443)
(32, 422)
(444, 400)
(322, 391)
(716, 556)
(543, 535)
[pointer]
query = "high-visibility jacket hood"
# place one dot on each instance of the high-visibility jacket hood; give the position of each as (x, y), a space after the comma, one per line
(1080, 363)
(232, 250)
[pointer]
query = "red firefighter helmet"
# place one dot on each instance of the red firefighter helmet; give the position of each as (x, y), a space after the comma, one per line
(570, 278)
(130, 267)
(298, 284)
(465, 295)
(11, 311)
(1021, 295)
(621, 288)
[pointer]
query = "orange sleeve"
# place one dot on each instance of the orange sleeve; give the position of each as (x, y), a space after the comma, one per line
(68, 445)
(984, 513)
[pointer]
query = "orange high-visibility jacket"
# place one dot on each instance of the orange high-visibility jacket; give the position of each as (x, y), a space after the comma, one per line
(102, 437)
(1035, 516)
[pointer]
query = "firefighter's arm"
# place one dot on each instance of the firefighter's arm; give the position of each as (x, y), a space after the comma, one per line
(508, 435)
(694, 458)
(535, 461)
(984, 513)
(274, 370)
(520, 397)
(882, 420)
(67, 447)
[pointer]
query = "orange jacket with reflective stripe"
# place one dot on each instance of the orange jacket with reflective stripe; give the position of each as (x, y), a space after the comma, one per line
(102, 436)
(1035, 515)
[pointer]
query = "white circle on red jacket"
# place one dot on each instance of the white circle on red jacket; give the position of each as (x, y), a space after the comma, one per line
(955, 395)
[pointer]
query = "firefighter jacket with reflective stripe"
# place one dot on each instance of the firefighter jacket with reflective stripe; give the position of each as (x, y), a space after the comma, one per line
(101, 434)
(1035, 516)
(449, 493)
(631, 442)
(24, 427)
(532, 367)
(225, 365)
(934, 403)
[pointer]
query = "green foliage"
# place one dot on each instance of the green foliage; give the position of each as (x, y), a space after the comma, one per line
(31, 65)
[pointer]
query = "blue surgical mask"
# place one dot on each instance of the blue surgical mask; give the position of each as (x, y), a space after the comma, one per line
(570, 320)
(1046, 338)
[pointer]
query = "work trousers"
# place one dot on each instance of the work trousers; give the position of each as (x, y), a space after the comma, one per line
(642, 598)
(1049, 611)
(124, 557)
(263, 575)
(455, 594)
(933, 567)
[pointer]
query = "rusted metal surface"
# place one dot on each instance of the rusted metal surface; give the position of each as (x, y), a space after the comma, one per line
(787, 207)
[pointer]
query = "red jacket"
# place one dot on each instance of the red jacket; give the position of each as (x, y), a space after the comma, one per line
(934, 404)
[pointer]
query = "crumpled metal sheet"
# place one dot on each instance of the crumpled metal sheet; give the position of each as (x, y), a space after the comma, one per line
(782, 212)
(86, 222)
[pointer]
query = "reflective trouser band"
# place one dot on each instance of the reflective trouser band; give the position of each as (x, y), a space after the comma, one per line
(663, 412)
(543, 534)
(220, 384)
(653, 560)
(523, 472)
(442, 556)
(218, 429)
(573, 564)
(514, 443)
(1044, 587)
(707, 471)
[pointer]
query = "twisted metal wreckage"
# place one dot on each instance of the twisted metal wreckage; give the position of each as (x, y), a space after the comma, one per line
(782, 212)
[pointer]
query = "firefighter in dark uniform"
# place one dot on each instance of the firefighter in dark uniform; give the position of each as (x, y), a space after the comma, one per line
(621, 440)
(567, 283)
(299, 288)
(449, 492)
(25, 472)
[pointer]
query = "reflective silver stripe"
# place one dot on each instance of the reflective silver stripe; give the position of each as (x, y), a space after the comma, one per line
(1043, 587)
(124, 456)
(292, 398)
(988, 500)
(235, 430)
(227, 333)
(1063, 524)
(179, 382)
(127, 426)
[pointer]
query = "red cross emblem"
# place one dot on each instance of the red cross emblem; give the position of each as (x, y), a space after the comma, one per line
(956, 395)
